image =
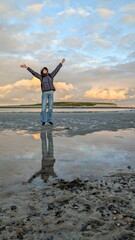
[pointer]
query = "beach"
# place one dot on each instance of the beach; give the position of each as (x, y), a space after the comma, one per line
(74, 180)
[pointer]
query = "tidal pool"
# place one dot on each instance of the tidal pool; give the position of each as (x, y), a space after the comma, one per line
(41, 156)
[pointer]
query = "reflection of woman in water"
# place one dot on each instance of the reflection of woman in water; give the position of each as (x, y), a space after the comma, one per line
(47, 157)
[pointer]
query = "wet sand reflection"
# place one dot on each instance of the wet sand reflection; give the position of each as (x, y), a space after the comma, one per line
(48, 160)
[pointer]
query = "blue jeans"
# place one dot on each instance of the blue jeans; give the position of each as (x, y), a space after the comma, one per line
(46, 116)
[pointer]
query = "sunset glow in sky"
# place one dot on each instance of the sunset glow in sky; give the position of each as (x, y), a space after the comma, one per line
(97, 38)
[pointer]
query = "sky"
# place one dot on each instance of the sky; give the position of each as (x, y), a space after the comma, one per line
(96, 37)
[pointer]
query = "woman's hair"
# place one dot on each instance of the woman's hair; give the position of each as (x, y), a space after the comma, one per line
(43, 69)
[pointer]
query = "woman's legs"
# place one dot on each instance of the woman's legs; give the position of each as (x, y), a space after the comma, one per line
(50, 108)
(43, 115)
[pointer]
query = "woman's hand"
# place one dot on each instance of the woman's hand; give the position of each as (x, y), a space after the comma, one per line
(23, 66)
(63, 60)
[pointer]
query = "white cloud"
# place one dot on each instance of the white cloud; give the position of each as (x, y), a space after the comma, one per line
(9, 42)
(127, 42)
(102, 42)
(129, 7)
(21, 92)
(106, 94)
(29, 91)
(83, 12)
(104, 12)
(63, 86)
(3, 8)
(99, 40)
(70, 11)
(72, 42)
(47, 21)
(66, 97)
(128, 18)
(35, 8)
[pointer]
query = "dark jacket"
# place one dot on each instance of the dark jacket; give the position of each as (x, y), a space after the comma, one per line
(46, 81)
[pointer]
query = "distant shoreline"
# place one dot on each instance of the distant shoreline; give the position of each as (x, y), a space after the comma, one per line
(64, 105)
(70, 107)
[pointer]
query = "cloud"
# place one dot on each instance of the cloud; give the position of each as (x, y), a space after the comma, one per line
(23, 91)
(24, 83)
(47, 20)
(73, 42)
(27, 45)
(9, 42)
(131, 55)
(102, 42)
(104, 12)
(3, 8)
(127, 42)
(99, 51)
(66, 97)
(71, 11)
(106, 94)
(129, 7)
(118, 75)
(28, 84)
(128, 18)
(35, 8)
(96, 40)
(28, 91)
(63, 86)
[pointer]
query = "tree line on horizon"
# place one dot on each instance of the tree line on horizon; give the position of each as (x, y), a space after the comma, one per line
(67, 104)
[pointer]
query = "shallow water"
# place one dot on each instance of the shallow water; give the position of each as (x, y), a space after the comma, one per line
(42, 156)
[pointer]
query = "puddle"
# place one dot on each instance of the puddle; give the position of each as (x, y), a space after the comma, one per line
(37, 157)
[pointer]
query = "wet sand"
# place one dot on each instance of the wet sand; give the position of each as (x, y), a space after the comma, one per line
(99, 207)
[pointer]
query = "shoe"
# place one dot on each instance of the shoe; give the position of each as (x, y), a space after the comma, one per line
(51, 123)
(43, 123)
